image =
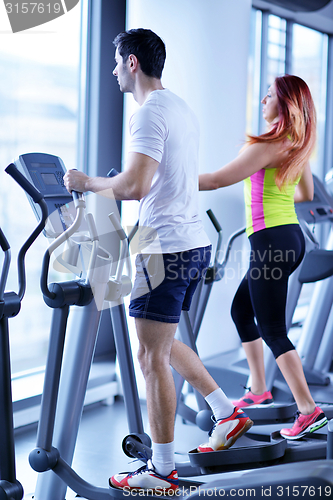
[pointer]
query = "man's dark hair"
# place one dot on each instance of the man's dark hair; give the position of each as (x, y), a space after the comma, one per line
(146, 46)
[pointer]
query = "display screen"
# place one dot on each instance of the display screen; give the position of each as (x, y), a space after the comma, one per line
(49, 179)
(43, 165)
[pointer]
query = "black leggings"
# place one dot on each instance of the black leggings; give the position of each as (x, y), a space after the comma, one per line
(275, 253)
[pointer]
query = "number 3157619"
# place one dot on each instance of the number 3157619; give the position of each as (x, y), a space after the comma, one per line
(33, 8)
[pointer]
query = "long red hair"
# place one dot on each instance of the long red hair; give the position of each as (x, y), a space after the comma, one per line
(297, 121)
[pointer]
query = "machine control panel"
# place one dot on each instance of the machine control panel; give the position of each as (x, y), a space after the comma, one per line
(46, 173)
(320, 209)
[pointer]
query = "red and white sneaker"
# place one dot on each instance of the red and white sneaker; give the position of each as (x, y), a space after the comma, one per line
(146, 478)
(226, 431)
(250, 399)
(305, 424)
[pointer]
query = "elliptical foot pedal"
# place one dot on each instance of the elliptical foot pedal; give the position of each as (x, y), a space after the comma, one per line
(246, 453)
(271, 414)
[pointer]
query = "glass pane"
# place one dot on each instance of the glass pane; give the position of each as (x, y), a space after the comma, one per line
(253, 86)
(281, 68)
(274, 51)
(39, 113)
(276, 48)
(276, 22)
(274, 68)
(309, 61)
(277, 36)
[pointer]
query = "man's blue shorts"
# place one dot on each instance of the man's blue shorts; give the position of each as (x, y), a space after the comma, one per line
(165, 283)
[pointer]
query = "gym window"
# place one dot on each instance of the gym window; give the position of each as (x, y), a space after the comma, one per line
(281, 46)
(39, 100)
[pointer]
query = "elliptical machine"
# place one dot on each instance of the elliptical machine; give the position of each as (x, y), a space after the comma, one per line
(68, 368)
(10, 304)
(56, 460)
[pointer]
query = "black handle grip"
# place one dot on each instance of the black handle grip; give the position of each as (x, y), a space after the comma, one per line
(24, 183)
(3, 241)
(76, 195)
(214, 220)
(113, 172)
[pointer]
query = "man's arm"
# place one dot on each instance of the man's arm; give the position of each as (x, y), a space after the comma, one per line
(132, 184)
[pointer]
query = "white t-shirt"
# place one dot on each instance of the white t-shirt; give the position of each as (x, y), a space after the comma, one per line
(166, 129)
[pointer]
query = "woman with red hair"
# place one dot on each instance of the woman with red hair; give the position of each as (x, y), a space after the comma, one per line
(276, 172)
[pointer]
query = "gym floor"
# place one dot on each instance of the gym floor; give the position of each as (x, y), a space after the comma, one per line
(99, 452)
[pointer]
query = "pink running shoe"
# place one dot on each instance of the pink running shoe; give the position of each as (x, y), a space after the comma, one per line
(226, 431)
(250, 399)
(146, 478)
(305, 424)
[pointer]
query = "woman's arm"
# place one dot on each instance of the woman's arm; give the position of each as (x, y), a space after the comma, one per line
(249, 161)
(305, 189)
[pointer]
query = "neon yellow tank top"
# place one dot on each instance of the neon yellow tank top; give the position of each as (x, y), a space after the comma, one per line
(265, 205)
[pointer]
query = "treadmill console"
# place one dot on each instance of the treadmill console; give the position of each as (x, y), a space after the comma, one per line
(46, 173)
(320, 209)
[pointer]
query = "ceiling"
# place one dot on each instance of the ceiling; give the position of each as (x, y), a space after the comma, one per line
(319, 18)
(301, 5)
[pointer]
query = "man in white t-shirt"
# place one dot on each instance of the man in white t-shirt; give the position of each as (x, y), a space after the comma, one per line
(174, 252)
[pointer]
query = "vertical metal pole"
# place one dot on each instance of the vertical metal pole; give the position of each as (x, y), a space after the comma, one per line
(52, 378)
(101, 102)
(264, 67)
(7, 450)
(328, 150)
(289, 48)
(79, 351)
(315, 322)
(201, 308)
(325, 352)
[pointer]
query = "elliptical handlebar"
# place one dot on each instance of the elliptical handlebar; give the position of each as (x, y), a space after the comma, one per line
(230, 243)
(24, 183)
(39, 199)
(78, 199)
(6, 263)
(80, 206)
(216, 272)
(214, 221)
(124, 239)
(76, 195)
(112, 173)
(218, 228)
(3, 242)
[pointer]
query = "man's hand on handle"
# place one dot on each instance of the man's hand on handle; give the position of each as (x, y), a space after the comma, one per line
(76, 181)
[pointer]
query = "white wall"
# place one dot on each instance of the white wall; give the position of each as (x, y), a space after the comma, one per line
(207, 52)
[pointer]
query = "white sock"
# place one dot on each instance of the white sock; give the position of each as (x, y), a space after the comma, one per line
(221, 406)
(163, 458)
